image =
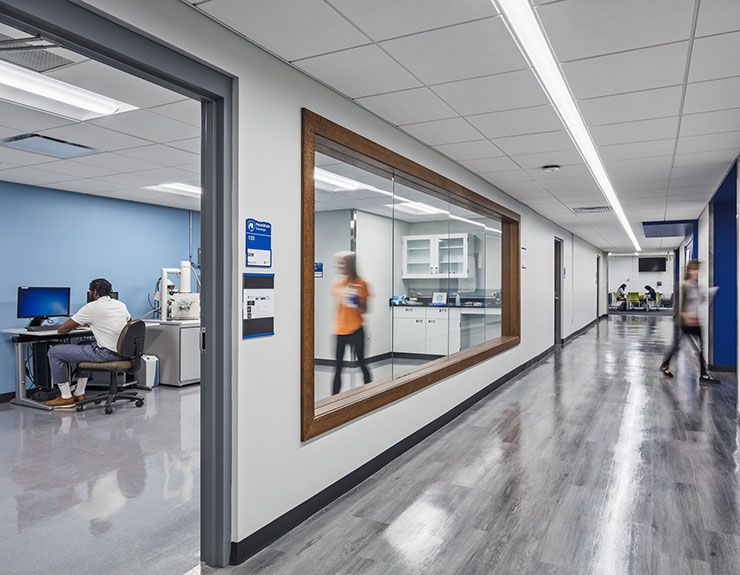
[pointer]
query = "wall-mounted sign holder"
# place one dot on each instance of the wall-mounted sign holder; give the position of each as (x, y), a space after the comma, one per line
(259, 243)
(258, 299)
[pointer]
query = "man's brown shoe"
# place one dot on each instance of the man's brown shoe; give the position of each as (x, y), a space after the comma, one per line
(62, 403)
(79, 398)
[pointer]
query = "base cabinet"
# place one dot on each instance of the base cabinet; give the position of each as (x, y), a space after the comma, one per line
(177, 345)
(426, 330)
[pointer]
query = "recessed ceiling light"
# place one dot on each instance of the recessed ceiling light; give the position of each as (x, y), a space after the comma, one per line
(33, 90)
(177, 189)
(335, 180)
(522, 22)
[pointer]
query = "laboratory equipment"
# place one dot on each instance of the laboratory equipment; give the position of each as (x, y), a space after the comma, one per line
(178, 304)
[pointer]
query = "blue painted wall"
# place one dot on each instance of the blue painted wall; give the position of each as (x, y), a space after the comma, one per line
(57, 238)
(725, 272)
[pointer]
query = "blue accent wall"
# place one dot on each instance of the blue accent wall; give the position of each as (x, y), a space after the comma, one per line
(58, 238)
(725, 271)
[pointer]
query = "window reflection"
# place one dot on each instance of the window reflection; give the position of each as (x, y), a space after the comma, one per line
(403, 277)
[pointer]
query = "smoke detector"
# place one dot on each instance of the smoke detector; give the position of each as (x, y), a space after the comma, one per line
(551, 168)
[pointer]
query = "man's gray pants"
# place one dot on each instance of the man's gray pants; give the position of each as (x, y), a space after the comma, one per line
(60, 356)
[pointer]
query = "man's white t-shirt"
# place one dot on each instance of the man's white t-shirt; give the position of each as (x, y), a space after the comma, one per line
(106, 318)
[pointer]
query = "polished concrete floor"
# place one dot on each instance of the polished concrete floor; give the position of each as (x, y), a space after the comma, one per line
(89, 493)
(589, 463)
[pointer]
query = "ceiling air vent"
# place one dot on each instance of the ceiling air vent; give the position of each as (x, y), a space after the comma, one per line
(30, 53)
(48, 146)
(592, 210)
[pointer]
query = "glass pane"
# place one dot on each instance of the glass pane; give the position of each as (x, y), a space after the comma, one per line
(421, 284)
(353, 275)
(493, 279)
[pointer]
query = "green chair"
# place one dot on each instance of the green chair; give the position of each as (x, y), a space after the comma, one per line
(633, 298)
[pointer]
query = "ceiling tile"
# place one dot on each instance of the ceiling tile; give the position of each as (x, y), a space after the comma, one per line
(76, 168)
(443, 131)
(25, 120)
(574, 184)
(289, 29)
(510, 90)
(717, 16)
(638, 150)
(517, 122)
(470, 150)
(712, 95)
(383, 19)
(686, 176)
(12, 158)
(464, 51)
(187, 111)
(358, 72)
(88, 186)
(148, 125)
(508, 177)
(535, 143)
(658, 103)
(709, 142)
(114, 83)
(715, 57)
(702, 158)
(628, 71)
(485, 165)
(583, 28)
(408, 106)
(33, 176)
(640, 131)
(116, 163)
(191, 145)
(94, 136)
(558, 158)
(640, 169)
(162, 155)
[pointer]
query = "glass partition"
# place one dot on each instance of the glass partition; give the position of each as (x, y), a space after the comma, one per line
(407, 285)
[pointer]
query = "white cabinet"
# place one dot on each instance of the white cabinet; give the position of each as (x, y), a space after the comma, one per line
(426, 330)
(434, 256)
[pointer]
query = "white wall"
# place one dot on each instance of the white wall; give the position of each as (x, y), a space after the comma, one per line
(626, 269)
(273, 470)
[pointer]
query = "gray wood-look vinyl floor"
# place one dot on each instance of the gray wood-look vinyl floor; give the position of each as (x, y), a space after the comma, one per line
(591, 462)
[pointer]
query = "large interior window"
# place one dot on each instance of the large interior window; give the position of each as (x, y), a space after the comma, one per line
(408, 278)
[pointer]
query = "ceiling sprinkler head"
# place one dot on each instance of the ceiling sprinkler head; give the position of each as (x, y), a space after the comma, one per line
(552, 168)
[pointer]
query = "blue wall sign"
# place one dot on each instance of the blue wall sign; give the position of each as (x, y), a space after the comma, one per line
(259, 244)
(318, 269)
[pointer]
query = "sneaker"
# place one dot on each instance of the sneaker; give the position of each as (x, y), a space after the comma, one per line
(62, 403)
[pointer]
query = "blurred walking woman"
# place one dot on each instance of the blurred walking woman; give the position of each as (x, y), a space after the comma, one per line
(689, 321)
(351, 293)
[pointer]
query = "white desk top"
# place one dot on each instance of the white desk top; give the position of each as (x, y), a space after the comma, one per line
(45, 333)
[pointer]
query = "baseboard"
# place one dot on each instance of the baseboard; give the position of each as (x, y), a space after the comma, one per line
(254, 543)
(6, 397)
(728, 368)
(578, 332)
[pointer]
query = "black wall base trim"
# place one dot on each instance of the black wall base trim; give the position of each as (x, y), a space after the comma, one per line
(578, 332)
(727, 368)
(253, 544)
(6, 397)
(381, 357)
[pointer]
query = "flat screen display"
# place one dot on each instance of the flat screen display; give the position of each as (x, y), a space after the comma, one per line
(43, 302)
(652, 264)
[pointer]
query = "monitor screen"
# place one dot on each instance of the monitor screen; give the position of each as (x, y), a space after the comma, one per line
(43, 302)
(652, 264)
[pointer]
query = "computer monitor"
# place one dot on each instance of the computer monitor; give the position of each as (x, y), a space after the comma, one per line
(39, 303)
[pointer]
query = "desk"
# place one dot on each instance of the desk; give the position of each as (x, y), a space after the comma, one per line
(22, 337)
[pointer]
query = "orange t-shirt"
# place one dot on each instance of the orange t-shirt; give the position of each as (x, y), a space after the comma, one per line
(349, 295)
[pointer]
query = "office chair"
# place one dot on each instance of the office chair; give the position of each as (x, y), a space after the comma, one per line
(130, 347)
(633, 297)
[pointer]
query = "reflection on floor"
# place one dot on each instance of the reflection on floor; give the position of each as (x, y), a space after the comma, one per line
(95, 493)
(352, 377)
(589, 463)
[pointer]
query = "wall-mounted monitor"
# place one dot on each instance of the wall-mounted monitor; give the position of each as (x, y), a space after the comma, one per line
(652, 264)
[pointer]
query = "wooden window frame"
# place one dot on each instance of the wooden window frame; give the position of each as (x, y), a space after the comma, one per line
(335, 411)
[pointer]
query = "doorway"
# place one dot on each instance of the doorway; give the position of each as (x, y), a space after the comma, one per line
(74, 27)
(558, 280)
(598, 286)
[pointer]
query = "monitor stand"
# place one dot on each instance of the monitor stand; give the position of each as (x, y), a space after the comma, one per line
(37, 321)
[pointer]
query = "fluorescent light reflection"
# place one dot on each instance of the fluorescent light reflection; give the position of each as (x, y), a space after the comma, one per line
(177, 189)
(34, 90)
(525, 28)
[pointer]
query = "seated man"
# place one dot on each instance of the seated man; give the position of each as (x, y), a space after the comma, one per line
(107, 318)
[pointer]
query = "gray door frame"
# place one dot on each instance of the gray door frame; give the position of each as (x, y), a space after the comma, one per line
(598, 285)
(117, 44)
(558, 300)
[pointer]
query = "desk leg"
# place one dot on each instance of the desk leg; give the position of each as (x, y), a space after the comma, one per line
(20, 380)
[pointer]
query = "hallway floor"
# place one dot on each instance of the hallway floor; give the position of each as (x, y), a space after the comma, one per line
(590, 462)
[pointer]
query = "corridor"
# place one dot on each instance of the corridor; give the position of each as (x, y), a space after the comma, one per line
(590, 462)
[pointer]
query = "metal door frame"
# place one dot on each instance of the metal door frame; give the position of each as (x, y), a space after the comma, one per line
(558, 300)
(96, 35)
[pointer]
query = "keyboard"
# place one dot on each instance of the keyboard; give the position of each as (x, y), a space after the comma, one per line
(45, 327)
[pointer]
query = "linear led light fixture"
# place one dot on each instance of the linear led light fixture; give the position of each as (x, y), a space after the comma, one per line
(342, 182)
(521, 21)
(34, 90)
(177, 189)
(416, 208)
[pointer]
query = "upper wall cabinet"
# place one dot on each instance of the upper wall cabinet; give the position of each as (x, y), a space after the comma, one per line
(432, 256)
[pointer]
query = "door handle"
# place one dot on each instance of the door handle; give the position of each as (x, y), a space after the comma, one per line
(202, 341)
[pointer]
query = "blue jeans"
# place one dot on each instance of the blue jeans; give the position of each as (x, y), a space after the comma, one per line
(62, 355)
